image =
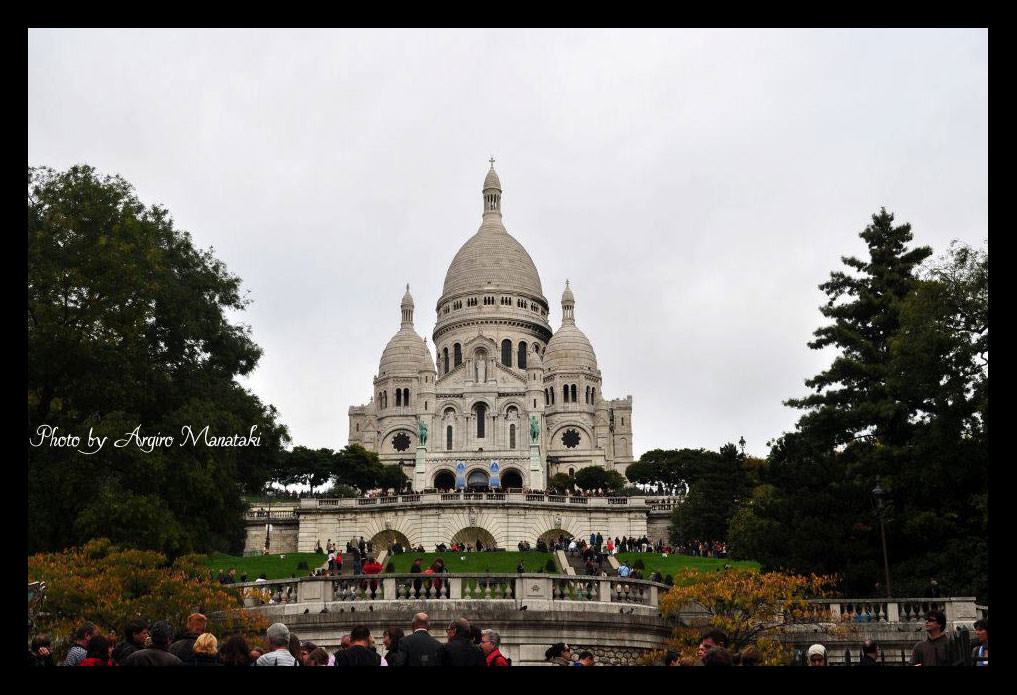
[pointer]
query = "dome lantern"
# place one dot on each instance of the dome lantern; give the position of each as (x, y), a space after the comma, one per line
(406, 306)
(492, 192)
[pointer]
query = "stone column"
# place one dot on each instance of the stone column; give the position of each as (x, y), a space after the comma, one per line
(419, 470)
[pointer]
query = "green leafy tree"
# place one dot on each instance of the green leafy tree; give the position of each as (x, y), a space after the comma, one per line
(303, 466)
(597, 477)
(358, 468)
(128, 327)
(393, 477)
(718, 484)
(662, 468)
(561, 482)
(904, 399)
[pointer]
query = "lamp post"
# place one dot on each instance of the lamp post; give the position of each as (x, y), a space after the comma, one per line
(878, 493)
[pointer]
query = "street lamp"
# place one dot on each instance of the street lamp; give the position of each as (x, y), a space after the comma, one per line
(878, 493)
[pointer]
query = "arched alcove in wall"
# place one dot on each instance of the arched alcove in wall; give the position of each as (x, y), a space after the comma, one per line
(511, 478)
(470, 535)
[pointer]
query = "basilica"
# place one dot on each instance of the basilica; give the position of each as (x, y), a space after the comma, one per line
(509, 401)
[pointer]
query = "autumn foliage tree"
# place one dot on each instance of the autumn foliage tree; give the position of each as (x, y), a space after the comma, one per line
(750, 607)
(110, 585)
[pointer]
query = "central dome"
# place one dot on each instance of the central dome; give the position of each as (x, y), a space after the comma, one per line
(492, 258)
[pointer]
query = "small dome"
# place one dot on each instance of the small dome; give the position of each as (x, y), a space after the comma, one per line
(492, 180)
(567, 295)
(404, 354)
(427, 361)
(534, 360)
(569, 348)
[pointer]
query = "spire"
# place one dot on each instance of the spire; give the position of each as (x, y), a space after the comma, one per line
(568, 305)
(492, 192)
(407, 308)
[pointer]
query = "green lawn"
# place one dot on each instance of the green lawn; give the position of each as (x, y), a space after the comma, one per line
(272, 565)
(476, 562)
(675, 563)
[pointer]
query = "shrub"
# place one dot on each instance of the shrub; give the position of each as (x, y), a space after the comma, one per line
(390, 567)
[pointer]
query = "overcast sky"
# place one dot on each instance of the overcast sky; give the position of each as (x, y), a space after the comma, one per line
(695, 187)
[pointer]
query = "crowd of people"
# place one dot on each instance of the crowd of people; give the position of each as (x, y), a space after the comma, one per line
(466, 645)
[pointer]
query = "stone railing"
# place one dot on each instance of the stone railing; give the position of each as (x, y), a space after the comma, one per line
(500, 498)
(909, 612)
(288, 514)
(459, 586)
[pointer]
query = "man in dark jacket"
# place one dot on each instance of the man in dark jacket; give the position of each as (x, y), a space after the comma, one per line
(158, 654)
(183, 648)
(136, 634)
(419, 648)
(870, 653)
(460, 650)
(359, 652)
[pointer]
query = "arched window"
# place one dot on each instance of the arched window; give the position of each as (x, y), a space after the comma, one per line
(552, 395)
(587, 394)
(573, 393)
(358, 427)
(565, 393)
(547, 401)
(448, 438)
(521, 361)
(593, 396)
(406, 396)
(458, 355)
(399, 397)
(444, 353)
(512, 436)
(572, 472)
(481, 411)
(506, 352)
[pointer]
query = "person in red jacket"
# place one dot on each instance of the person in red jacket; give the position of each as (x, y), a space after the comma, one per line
(490, 641)
(372, 566)
(98, 653)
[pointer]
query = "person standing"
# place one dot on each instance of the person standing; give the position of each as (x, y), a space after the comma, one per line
(98, 653)
(359, 652)
(183, 648)
(817, 655)
(158, 654)
(980, 654)
(419, 648)
(39, 653)
(460, 650)
(490, 644)
(559, 654)
(136, 634)
(279, 641)
(932, 650)
(870, 653)
(78, 651)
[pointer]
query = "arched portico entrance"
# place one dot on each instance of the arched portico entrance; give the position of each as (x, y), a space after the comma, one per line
(445, 480)
(477, 479)
(471, 534)
(384, 540)
(511, 478)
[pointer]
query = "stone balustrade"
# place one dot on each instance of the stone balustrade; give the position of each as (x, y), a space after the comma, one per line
(459, 586)
(268, 515)
(528, 498)
(908, 612)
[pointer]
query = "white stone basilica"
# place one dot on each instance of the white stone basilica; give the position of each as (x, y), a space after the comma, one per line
(509, 402)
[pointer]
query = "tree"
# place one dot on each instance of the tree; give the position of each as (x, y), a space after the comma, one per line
(393, 477)
(597, 477)
(561, 482)
(358, 468)
(662, 467)
(110, 585)
(750, 607)
(718, 484)
(904, 400)
(303, 466)
(128, 331)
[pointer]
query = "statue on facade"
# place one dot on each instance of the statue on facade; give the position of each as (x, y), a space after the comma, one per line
(534, 429)
(422, 432)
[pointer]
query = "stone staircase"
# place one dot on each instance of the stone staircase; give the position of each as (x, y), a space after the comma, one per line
(578, 565)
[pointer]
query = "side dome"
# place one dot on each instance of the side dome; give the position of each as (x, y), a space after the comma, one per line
(569, 349)
(404, 354)
(406, 351)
